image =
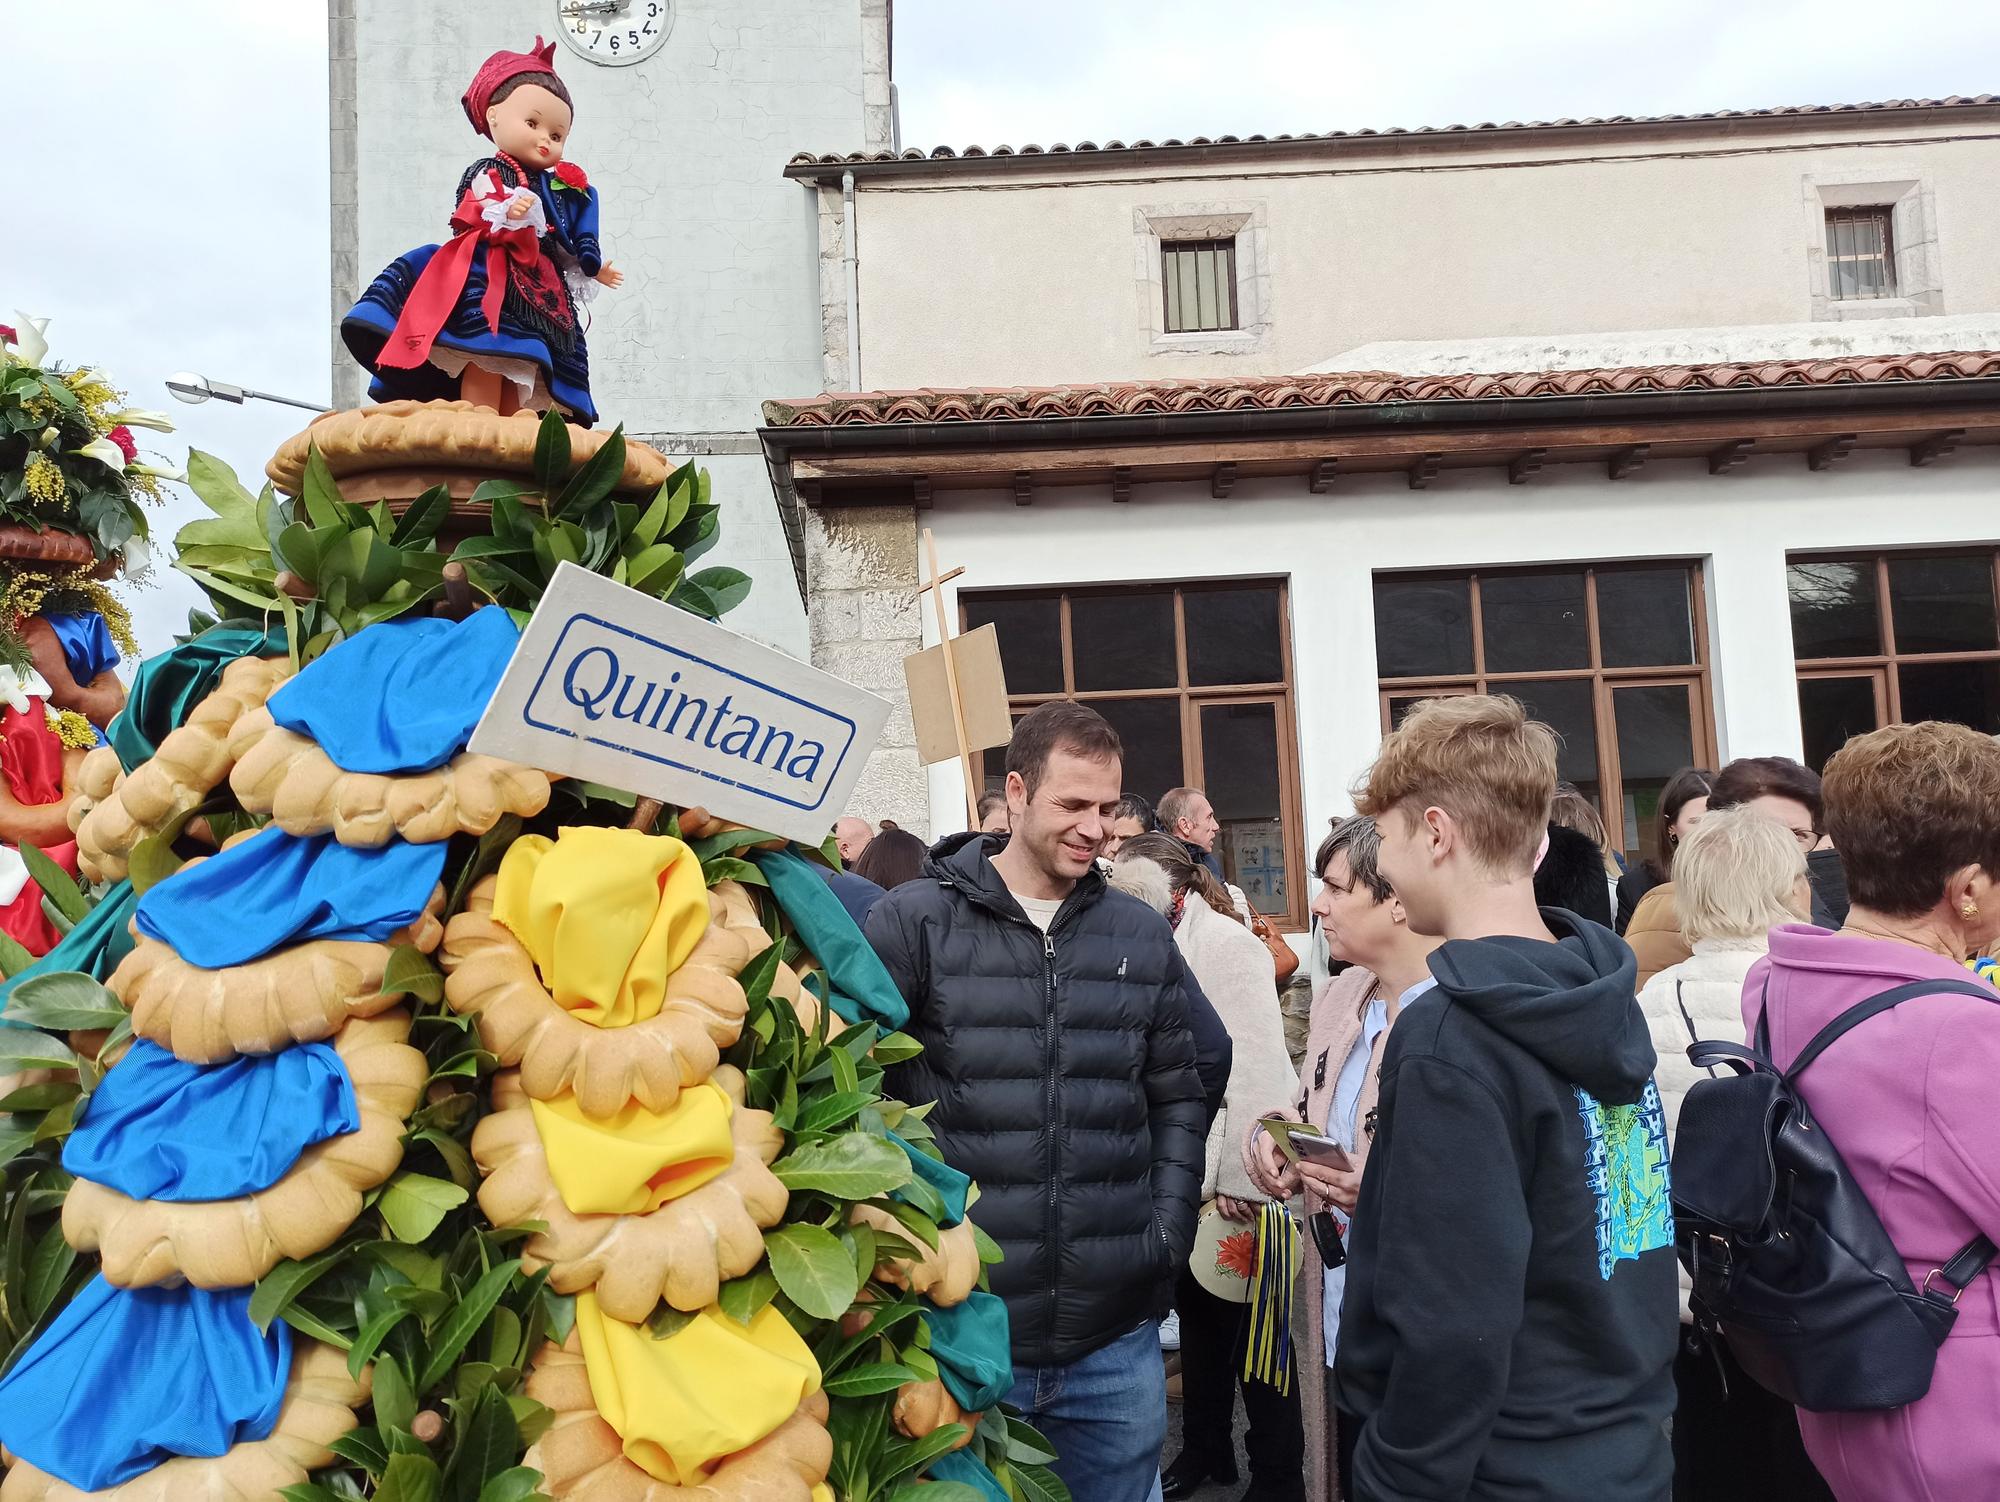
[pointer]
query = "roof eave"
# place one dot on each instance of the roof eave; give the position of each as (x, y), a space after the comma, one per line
(1451, 138)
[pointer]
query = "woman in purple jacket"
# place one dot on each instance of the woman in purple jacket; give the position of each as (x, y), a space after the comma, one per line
(1909, 1097)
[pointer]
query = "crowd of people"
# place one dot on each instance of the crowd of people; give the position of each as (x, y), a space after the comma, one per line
(1473, 1164)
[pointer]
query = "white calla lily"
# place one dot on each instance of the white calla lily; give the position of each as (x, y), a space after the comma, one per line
(142, 417)
(104, 451)
(159, 471)
(30, 347)
(138, 555)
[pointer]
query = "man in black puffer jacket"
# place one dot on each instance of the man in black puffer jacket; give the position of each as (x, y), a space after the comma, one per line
(1058, 1050)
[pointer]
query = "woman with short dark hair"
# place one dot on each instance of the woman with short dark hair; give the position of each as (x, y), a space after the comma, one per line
(893, 857)
(1908, 1098)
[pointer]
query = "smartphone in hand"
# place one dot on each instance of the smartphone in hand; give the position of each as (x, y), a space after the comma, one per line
(1302, 1143)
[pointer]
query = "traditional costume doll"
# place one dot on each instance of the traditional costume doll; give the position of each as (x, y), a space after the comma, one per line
(492, 316)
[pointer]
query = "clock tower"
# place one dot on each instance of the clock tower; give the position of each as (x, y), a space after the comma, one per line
(686, 113)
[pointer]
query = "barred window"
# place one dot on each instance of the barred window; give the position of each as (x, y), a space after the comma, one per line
(1860, 253)
(1199, 278)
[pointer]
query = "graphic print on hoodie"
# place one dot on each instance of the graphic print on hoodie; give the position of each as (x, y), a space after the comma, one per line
(1511, 1310)
(1627, 1162)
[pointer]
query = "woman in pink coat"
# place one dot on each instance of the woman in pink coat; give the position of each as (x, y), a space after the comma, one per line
(1910, 1097)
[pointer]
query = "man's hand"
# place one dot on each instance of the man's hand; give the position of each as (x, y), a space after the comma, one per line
(1331, 1186)
(518, 209)
(1235, 1209)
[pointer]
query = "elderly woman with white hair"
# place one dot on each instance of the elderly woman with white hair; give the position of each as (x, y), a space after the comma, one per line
(1737, 875)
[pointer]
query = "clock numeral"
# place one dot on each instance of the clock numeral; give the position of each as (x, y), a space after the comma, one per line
(649, 28)
(652, 9)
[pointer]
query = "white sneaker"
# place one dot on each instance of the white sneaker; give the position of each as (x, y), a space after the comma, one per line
(1170, 1331)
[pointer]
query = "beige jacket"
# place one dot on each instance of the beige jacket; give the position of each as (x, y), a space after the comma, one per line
(1655, 932)
(1234, 969)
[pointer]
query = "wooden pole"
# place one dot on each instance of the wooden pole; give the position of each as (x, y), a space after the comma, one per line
(936, 587)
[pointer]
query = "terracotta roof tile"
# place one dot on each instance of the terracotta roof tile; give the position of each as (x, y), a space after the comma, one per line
(1486, 127)
(1366, 387)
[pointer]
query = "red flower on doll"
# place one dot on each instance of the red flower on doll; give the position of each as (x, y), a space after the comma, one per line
(571, 176)
(127, 445)
(1237, 1254)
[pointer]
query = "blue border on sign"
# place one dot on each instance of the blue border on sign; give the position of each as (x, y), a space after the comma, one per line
(702, 772)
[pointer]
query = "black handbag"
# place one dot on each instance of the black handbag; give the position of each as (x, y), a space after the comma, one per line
(1789, 1261)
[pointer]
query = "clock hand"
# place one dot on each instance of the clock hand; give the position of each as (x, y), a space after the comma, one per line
(577, 9)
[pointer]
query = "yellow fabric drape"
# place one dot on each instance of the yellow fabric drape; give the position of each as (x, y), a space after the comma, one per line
(634, 1162)
(607, 915)
(706, 1391)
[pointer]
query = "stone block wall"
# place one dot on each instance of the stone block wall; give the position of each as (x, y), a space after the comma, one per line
(864, 619)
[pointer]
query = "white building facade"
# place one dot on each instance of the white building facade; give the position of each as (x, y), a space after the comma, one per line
(1734, 509)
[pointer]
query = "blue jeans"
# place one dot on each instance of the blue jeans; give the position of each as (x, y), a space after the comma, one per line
(1106, 1416)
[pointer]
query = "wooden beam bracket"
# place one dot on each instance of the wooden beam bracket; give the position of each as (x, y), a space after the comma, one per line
(1319, 479)
(920, 492)
(1628, 461)
(1121, 483)
(1935, 447)
(1826, 455)
(1222, 481)
(1024, 488)
(1425, 470)
(1523, 465)
(1733, 455)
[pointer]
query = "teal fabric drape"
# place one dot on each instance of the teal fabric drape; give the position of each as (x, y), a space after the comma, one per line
(972, 1346)
(166, 688)
(861, 987)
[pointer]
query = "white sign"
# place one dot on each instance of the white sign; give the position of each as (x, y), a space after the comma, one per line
(619, 688)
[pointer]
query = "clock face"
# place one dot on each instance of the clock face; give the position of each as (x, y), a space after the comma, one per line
(614, 32)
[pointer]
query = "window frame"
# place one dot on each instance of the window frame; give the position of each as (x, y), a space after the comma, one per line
(1886, 662)
(1192, 698)
(1882, 215)
(1697, 677)
(1223, 247)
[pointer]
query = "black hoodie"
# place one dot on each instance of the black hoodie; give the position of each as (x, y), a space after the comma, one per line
(1511, 1315)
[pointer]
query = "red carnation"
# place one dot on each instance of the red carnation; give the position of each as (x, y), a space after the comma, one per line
(122, 436)
(571, 176)
(7, 334)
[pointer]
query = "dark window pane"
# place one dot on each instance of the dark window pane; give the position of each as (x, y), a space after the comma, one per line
(1423, 627)
(1400, 705)
(1151, 731)
(1645, 617)
(1655, 727)
(1833, 609)
(1123, 641)
(1534, 622)
(1030, 640)
(1942, 605)
(1232, 635)
(1565, 706)
(1834, 711)
(1239, 749)
(1966, 693)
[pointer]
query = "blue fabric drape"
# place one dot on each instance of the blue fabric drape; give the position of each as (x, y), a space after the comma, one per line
(967, 1469)
(161, 1129)
(862, 988)
(158, 1372)
(276, 889)
(96, 946)
(86, 643)
(951, 1185)
(402, 696)
(972, 1346)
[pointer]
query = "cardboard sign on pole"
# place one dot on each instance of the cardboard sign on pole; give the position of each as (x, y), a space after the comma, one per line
(982, 694)
(623, 689)
(955, 702)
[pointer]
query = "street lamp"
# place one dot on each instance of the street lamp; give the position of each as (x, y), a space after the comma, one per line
(196, 389)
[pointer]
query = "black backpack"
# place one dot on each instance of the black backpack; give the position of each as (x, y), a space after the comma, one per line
(1787, 1257)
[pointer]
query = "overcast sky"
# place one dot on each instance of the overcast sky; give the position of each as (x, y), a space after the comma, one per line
(167, 207)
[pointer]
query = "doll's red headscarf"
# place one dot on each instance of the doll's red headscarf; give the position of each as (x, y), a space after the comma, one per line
(497, 70)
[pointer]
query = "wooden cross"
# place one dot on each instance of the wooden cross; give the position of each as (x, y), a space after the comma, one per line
(934, 583)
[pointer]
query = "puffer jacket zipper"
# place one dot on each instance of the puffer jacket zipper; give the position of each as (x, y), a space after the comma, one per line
(1050, 1055)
